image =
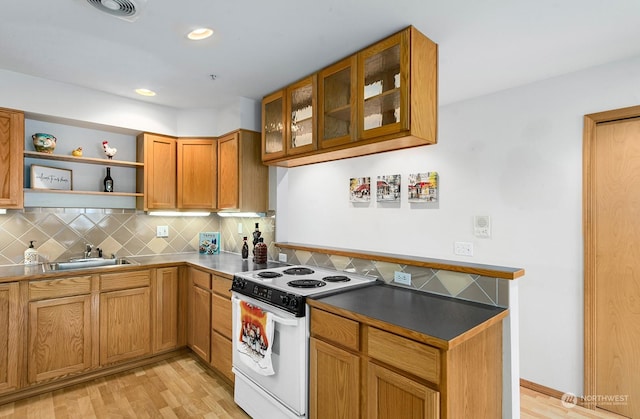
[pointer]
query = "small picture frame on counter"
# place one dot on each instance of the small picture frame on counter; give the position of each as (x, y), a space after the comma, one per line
(44, 177)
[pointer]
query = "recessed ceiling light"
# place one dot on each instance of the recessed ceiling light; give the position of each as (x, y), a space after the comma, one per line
(145, 92)
(200, 33)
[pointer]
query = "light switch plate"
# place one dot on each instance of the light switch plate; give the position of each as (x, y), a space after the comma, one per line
(463, 248)
(282, 257)
(162, 231)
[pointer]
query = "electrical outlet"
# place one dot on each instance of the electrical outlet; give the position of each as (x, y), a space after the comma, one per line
(162, 231)
(402, 278)
(463, 248)
(282, 257)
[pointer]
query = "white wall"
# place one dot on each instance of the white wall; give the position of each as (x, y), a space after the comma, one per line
(515, 155)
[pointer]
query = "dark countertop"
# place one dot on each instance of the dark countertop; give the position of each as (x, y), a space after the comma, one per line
(226, 263)
(437, 320)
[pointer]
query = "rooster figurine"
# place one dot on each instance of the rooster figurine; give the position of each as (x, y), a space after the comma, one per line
(77, 152)
(109, 151)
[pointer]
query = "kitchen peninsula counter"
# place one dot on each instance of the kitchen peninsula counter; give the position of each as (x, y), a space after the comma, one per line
(443, 322)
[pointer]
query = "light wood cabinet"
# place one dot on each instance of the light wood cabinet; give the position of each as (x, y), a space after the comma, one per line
(62, 323)
(301, 116)
(197, 173)
(221, 326)
(11, 161)
(178, 173)
(274, 126)
(165, 314)
(125, 316)
(337, 110)
(334, 382)
(393, 106)
(363, 370)
(157, 179)
(393, 395)
(243, 181)
(10, 337)
(199, 318)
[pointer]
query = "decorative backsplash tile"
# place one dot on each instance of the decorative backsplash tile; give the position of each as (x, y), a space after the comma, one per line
(477, 288)
(61, 233)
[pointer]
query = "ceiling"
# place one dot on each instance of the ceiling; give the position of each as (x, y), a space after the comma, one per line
(261, 46)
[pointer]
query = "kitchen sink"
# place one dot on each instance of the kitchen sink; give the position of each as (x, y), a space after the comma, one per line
(86, 263)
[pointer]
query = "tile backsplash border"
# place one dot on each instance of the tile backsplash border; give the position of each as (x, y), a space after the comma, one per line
(468, 287)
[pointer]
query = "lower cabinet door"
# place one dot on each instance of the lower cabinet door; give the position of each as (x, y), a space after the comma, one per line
(9, 336)
(125, 325)
(221, 354)
(165, 309)
(200, 322)
(59, 337)
(334, 382)
(391, 395)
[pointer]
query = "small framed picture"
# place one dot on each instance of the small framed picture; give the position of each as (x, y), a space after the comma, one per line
(209, 243)
(44, 177)
(423, 187)
(360, 189)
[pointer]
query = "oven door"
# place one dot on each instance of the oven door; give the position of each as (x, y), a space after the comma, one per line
(286, 389)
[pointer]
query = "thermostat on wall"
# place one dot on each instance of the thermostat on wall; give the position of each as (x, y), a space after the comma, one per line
(482, 226)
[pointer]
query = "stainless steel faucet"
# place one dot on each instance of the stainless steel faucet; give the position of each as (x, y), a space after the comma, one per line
(88, 250)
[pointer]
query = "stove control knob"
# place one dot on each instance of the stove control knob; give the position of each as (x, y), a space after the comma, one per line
(293, 303)
(239, 283)
(285, 300)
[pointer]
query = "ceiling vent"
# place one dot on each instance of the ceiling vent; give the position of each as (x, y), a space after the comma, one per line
(124, 9)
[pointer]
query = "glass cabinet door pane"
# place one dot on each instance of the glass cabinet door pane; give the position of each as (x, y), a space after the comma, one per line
(273, 126)
(337, 105)
(382, 88)
(302, 116)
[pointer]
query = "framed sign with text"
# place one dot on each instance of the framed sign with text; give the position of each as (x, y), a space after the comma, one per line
(44, 177)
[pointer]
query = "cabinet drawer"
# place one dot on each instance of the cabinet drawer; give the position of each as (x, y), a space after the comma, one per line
(221, 315)
(200, 278)
(124, 280)
(63, 287)
(222, 286)
(408, 355)
(336, 329)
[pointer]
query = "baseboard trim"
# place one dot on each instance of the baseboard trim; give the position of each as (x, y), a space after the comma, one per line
(547, 391)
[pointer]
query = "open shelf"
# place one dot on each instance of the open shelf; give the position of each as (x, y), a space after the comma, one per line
(88, 160)
(57, 191)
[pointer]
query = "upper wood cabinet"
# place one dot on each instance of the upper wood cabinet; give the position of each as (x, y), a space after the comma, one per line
(11, 161)
(380, 99)
(158, 177)
(178, 173)
(243, 181)
(273, 126)
(337, 91)
(197, 173)
(301, 109)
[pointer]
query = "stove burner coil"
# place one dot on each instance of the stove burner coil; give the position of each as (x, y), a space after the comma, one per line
(298, 270)
(306, 283)
(336, 278)
(269, 274)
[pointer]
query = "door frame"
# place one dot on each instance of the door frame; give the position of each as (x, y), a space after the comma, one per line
(588, 211)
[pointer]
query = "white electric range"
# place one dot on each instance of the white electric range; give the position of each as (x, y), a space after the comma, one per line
(281, 391)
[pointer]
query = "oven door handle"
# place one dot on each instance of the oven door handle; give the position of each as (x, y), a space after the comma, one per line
(282, 320)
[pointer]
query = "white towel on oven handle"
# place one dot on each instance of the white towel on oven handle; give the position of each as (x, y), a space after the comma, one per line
(252, 353)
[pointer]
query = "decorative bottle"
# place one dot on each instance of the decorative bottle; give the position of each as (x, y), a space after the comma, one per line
(256, 237)
(260, 251)
(108, 181)
(31, 254)
(245, 248)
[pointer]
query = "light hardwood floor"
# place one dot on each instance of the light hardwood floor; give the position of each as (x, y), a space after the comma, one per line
(181, 388)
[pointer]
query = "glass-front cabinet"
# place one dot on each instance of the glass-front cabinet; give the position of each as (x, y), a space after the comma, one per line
(337, 87)
(301, 113)
(383, 93)
(273, 126)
